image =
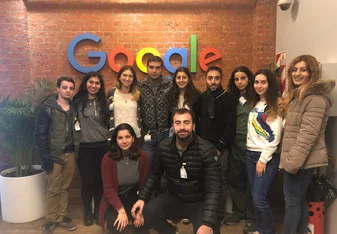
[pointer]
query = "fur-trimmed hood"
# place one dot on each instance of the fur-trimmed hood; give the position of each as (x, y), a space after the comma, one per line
(321, 87)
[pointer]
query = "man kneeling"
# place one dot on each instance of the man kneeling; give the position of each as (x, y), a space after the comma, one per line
(194, 181)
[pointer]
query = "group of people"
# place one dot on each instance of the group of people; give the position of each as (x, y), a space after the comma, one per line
(158, 149)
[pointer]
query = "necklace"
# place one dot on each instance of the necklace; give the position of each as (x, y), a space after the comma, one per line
(126, 159)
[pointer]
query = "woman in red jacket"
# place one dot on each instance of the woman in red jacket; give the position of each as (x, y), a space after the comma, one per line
(124, 169)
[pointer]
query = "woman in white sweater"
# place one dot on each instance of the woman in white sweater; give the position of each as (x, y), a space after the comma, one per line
(123, 101)
(263, 138)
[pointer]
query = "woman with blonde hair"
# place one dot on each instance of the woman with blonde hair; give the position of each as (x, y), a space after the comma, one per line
(123, 101)
(306, 108)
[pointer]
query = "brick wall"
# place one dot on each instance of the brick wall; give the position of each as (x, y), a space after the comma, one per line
(35, 34)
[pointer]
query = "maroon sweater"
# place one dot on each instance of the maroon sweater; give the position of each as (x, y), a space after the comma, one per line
(110, 183)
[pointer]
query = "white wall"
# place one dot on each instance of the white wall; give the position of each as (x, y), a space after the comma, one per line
(310, 27)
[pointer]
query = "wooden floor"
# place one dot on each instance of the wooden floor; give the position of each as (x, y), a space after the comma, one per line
(76, 213)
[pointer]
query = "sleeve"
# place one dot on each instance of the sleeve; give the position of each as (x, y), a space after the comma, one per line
(145, 164)
(152, 178)
(42, 126)
(276, 126)
(212, 172)
(109, 183)
(230, 124)
(309, 130)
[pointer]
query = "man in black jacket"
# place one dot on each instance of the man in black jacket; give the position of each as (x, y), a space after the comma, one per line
(57, 141)
(194, 181)
(218, 121)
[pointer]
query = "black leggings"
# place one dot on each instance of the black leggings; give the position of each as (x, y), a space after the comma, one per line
(89, 164)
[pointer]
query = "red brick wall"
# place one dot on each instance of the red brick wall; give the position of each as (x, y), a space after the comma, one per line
(34, 34)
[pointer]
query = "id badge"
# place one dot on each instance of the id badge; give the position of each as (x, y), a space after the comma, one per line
(242, 100)
(147, 137)
(183, 173)
(77, 126)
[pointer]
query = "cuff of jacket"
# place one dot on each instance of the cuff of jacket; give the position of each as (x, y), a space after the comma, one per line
(221, 146)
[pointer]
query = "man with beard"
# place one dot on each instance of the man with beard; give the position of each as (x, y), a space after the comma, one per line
(57, 135)
(218, 122)
(194, 181)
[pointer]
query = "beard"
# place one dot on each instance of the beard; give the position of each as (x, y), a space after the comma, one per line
(184, 137)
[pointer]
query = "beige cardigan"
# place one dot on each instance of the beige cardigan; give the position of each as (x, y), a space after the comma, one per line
(303, 144)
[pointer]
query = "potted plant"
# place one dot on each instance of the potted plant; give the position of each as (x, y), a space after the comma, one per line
(22, 187)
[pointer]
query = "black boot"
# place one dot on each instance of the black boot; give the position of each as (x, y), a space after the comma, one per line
(88, 217)
(97, 201)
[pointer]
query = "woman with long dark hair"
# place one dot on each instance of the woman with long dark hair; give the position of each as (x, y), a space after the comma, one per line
(241, 86)
(263, 137)
(92, 121)
(124, 170)
(306, 108)
(183, 93)
(123, 100)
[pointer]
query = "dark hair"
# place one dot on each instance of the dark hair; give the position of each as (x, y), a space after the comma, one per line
(134, 86)
(82, 95)
(271, 95)
(250, 92)
(191, 93)
(182, 111)
(115, 152)
(214, 68)
(155, 58)
(64, 78)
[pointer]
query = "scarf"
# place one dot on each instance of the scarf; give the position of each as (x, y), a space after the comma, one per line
(211, 96)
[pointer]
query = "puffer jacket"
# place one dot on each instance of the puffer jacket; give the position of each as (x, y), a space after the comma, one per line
(203, 181)
(303, 143)
(155, 107)
(51, 128)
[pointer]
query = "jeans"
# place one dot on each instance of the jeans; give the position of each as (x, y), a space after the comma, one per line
(167, 206)
(260, 186)
(296, 210)
(150, 146)
(58, 183)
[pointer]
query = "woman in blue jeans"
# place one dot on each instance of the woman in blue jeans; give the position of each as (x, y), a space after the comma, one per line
(263, 137)
(303, 149)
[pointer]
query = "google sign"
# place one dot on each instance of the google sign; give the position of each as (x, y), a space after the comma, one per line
(206, 56)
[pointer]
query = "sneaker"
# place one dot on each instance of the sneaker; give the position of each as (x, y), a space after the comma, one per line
(232, 219)
(250, 227)
(67, 224)
(48, 227)
(186, 221)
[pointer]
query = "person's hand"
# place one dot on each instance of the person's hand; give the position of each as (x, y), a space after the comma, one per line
(139, 205)
(121, 221)
(260, 168)
(203, 229)
(218, 153)
(139, 220)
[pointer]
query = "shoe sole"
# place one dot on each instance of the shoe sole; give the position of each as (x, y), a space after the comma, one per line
(232, 223)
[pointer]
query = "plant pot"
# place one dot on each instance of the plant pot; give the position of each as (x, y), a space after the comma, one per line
(22, 198)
